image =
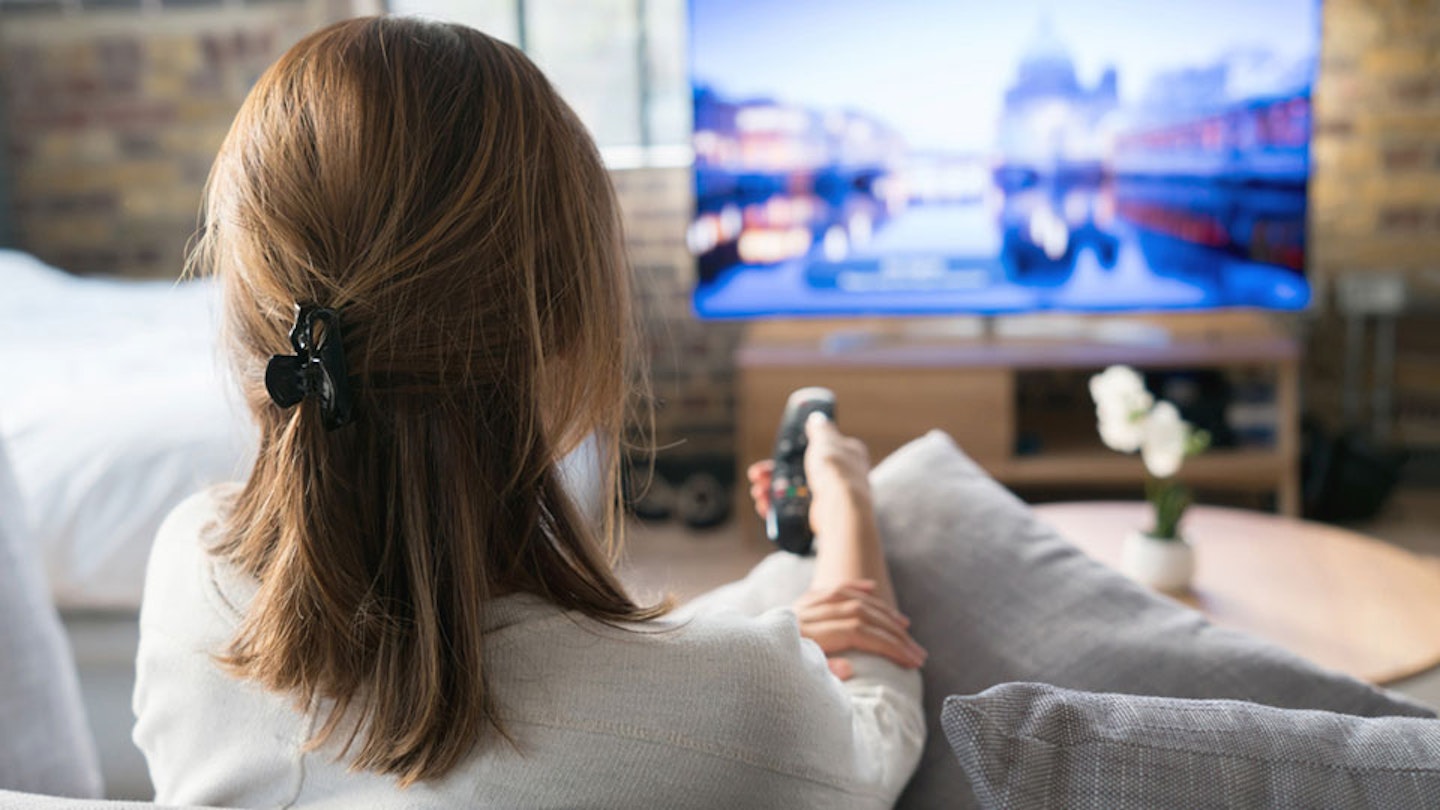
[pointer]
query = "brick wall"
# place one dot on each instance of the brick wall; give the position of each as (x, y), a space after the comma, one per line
(114, 117)
(1375, 193)
(690, 361)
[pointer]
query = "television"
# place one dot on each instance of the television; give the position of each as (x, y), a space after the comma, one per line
(958, 156)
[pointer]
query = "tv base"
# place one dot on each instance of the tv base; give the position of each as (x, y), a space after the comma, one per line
(1092, 329)
(896, 378)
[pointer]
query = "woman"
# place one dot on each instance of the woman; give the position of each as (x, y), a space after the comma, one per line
(427, 307)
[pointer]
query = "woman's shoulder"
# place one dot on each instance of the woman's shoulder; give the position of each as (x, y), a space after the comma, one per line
(718, 692)
(765, 658)
(722, 658)
(194, 518)
(773, 634)
(182, 594)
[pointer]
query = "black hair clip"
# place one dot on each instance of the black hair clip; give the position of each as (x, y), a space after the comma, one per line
(317, 369)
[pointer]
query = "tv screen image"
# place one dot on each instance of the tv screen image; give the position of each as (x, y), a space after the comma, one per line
(944, 156)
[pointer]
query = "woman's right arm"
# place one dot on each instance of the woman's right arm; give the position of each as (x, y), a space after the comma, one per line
(842, 513)
(850, 604)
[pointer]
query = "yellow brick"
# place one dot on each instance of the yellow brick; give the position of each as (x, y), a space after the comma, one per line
(1349, 26)
(1406, 187)
(72, 58)
(193, 139)
(1343, 156)
(90, 146)
(1348, 220)
(145, 203)
(201, 111)
(142, 172)
(71, 231)
(1397, 61)
(55, 179)
(1399, 120)
(1329, 188)
(167, 84)
(175, 54)
(1398, 252)
(55, 146)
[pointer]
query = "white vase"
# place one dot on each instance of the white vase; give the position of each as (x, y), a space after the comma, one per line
(1165, 565)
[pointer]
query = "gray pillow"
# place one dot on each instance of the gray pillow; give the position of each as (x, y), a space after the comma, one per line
(997, 596)
(45, 744)
(1035, 746)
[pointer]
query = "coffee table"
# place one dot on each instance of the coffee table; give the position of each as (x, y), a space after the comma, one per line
(1339, 598)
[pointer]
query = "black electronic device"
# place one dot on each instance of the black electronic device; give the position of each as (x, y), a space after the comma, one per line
(788, 522)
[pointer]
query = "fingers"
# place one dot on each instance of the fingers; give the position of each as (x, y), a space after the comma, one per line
(760, 494)
(831, 453)
(846, 635)
(863, 589)
(819, 430)
(850, 617)
(818, 427)
(842, 669)
(867, 612)
(853, 589)
(760, 474)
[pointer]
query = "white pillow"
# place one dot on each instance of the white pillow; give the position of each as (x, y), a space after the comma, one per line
(115, 408)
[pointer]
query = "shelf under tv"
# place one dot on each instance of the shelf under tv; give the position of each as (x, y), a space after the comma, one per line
(896, 378)
(1249, 468)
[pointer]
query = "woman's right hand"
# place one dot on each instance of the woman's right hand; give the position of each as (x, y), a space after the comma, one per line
(837, 470)
(851, 603)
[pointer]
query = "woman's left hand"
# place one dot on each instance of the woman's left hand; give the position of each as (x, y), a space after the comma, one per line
(851, 618)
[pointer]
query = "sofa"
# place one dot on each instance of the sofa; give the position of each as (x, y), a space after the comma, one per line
(1052, 681)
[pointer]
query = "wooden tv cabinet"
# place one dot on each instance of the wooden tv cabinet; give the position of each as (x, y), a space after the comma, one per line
(894, 379)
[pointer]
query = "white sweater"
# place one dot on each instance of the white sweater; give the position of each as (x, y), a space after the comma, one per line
(723, 710)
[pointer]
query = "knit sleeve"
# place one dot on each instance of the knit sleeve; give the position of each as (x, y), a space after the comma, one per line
(862, 737)
(882, 700)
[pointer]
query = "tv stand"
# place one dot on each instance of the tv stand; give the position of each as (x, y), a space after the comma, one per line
(896, 378)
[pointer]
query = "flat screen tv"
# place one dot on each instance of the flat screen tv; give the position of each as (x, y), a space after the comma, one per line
(961, 156)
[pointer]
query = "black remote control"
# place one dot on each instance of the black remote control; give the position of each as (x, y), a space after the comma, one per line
(788, 523)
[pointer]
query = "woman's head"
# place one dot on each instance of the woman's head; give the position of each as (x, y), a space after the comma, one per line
(426, 183)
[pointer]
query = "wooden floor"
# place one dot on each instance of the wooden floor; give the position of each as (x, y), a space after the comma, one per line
(1411, 520)
(664, 557)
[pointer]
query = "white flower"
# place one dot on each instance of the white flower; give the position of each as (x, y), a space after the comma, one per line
(1121, 404)
(1120, 387)
(1166, 436)
(1122, 433)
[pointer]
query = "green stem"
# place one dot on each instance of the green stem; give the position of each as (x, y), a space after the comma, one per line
(1170, 499)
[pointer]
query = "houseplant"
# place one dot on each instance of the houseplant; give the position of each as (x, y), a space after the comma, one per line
(1130, 420)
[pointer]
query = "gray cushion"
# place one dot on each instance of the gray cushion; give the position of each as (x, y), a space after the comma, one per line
(45, 745)
(1036, 746)
(997, 596)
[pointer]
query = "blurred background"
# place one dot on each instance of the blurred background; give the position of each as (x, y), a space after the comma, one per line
(112, 112)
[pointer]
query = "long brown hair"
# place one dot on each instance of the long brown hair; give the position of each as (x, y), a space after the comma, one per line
(425, 181)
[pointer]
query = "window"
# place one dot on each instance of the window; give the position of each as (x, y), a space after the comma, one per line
(619, 63)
